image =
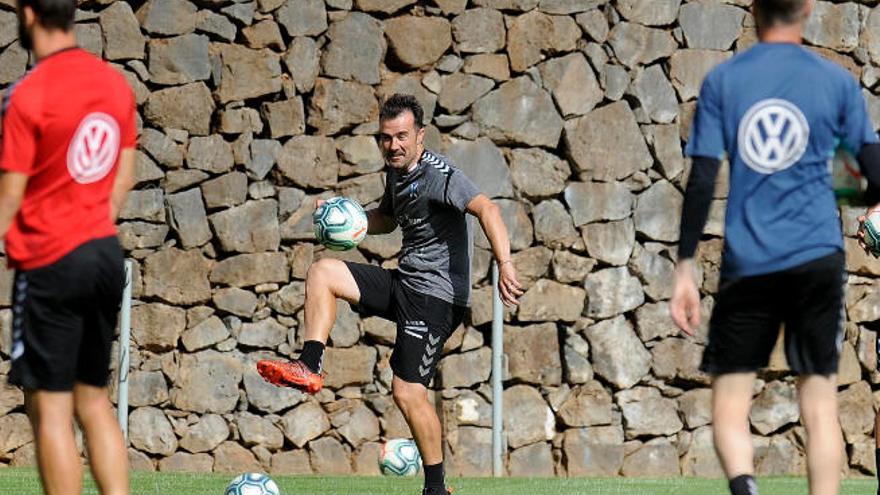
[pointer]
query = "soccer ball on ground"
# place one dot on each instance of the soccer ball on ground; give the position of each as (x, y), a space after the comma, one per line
(340, 224)
(400, 457)
(871, 228)
(252, 484)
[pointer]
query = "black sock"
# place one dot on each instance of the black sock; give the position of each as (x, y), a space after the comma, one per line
(877, 463)
(434, 476)
(313, 355)
(744, 485)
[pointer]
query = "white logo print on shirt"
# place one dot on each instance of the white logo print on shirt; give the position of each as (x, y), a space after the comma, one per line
(93, 149)
(773, 135)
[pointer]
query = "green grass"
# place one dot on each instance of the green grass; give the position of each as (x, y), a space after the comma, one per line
(26, 482)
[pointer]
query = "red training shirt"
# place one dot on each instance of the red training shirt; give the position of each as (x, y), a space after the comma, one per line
(63, 125)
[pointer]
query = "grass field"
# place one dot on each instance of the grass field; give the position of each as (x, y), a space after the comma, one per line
(26, 482)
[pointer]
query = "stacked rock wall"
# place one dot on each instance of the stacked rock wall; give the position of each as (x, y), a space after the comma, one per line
(572, 114)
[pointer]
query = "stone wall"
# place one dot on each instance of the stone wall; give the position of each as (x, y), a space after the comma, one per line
(571, 113)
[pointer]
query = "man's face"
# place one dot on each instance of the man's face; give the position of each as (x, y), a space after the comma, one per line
(401, 140)
(25, 23)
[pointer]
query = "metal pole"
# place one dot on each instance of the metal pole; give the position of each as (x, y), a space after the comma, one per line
(124, 343)
(498, 446)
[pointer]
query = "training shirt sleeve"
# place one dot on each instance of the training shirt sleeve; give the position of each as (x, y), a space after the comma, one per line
(707, 131)
(697, 203)
(18, 137)
(456, 190)
(856, 129)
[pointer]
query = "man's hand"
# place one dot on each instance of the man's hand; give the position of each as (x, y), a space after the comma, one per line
(685, 304)
(860, 235)
(508, 286)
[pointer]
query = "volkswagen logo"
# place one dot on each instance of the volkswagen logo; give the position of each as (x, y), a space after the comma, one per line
(93, 149)
(773, 136)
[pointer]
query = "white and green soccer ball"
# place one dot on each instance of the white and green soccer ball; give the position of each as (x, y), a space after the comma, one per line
(252, 484)
(872, 232)
(340, 224)
(400, 457)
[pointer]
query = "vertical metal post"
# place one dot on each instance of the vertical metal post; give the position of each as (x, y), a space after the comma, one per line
(498, 446)
(124, 344)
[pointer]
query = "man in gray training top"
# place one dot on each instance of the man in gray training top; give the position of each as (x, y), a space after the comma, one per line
(426, 296)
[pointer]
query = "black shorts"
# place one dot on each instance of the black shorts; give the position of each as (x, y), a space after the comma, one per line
(806, 299)
(64, 318)
(424, 322)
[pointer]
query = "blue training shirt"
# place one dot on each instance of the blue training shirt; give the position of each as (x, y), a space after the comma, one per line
(779, 112)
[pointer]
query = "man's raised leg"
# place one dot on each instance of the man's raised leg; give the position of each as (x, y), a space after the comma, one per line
(327, 280)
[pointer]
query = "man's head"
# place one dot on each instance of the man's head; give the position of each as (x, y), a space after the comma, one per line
(50, 15)
(775, 13)
(401, 132)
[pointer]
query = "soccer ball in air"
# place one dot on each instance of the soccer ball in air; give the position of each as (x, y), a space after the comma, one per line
(252, 484)
(871, 228)
(340, 224)
(400, 457)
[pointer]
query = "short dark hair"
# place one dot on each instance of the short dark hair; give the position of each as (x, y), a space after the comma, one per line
(772, 12)
(398, 103)
(52, 14)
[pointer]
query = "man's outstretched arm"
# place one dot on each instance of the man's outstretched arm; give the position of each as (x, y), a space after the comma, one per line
(493, 226)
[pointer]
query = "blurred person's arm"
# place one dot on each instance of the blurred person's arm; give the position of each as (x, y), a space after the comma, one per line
(123, 183)
(12, 187)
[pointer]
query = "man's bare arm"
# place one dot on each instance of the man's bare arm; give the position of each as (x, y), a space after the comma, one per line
(123, 183)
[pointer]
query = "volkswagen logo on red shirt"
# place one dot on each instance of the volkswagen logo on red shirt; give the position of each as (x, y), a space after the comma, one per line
(93, 149)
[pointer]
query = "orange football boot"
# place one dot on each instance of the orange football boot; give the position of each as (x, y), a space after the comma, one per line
(437, 491)
(291, 374)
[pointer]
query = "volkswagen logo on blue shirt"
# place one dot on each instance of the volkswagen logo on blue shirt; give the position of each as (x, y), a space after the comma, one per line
(773, 136)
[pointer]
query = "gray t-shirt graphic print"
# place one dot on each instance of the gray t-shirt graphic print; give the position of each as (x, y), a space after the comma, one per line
(429, 204)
